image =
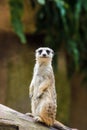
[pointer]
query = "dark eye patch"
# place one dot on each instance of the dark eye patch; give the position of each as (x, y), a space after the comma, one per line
(40, 51)
(48, 52)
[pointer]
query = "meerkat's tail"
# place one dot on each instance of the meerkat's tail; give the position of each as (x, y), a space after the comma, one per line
(61, 126)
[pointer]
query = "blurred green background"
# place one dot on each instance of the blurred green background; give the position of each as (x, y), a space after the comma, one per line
(26, 25)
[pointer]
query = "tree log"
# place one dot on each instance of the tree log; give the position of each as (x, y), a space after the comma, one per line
(13, 120)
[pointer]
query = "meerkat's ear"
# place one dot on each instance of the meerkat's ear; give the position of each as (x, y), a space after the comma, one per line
(52, 52)
(36, 50)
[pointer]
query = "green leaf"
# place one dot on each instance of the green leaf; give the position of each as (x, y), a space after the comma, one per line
(60, 5)
(63, 11)
(42, 2)
(73, 50)
(84, 3)
(16, 9)
(78, 8)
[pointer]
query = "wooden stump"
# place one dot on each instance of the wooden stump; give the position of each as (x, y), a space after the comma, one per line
(13, 120)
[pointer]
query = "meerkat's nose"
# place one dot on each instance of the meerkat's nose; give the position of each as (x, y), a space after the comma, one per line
(44, 55)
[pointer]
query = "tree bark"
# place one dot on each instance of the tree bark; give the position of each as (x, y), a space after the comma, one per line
(13, 120)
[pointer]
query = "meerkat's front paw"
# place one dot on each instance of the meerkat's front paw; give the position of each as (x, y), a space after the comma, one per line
(29, 114)
(30, 96)
(38, 119)
(39, 95)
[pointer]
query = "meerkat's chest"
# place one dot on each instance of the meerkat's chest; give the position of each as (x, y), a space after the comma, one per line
(39, 75)
(38, 79)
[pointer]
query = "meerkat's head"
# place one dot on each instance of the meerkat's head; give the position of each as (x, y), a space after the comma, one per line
(44, 54)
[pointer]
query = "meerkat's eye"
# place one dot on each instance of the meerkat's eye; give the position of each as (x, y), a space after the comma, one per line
(48, 52)
(40, 51)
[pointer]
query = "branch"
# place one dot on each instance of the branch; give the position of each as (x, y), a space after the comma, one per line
(13, 120)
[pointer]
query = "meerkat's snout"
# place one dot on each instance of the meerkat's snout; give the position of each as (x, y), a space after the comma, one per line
(44, 55)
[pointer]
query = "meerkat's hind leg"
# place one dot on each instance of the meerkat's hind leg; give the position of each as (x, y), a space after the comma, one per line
(46, 114)
(38, 119)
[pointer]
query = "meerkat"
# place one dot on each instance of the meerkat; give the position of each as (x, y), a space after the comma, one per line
(42, 90)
